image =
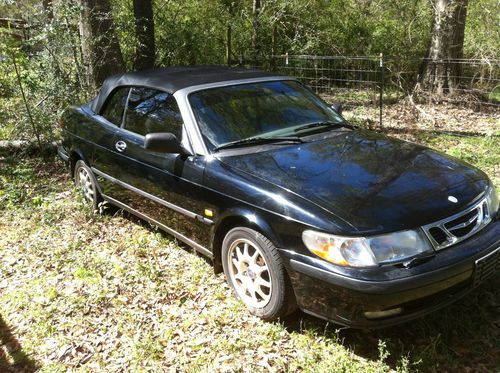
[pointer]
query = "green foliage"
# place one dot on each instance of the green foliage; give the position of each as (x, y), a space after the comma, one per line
(50, 71)
(54, 73)
(482, 34)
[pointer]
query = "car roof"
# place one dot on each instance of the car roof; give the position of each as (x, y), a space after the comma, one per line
(172, 79)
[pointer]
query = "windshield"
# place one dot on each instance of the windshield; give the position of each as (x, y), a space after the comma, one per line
(267, 109)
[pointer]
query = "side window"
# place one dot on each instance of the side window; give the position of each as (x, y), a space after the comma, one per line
(150, 111)
(113, 111)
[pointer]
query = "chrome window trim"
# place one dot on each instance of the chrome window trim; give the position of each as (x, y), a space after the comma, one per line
(182, 97)
(452, 239)
(158, 200)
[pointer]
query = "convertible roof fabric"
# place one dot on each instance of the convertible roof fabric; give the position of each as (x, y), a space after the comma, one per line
(171, 79)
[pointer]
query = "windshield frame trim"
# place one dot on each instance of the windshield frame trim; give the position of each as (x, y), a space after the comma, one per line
(182, 97)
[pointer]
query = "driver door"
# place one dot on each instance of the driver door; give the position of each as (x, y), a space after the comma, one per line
(162, 187)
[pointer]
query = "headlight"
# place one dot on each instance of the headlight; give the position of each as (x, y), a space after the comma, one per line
(492, 201)
(366, 251)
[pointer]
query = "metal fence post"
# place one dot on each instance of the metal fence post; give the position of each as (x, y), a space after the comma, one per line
(381, 93)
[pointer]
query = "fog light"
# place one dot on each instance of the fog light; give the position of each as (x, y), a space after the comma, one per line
(380, 314)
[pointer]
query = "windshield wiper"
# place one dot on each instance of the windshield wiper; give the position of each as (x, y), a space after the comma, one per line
(258, 140)
(322, 124)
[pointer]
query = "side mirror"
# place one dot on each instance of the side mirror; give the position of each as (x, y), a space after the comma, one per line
(164, 143)
(337, 106)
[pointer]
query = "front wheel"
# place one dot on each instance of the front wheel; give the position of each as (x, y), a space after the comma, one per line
(85, 181)
(254, 270)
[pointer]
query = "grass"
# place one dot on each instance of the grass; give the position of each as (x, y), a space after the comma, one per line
(481, 151)
(494, 95)
(9, 117)
(87, 292)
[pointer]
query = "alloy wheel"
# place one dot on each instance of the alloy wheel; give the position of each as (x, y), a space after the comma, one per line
(86, 184)
(249, 273)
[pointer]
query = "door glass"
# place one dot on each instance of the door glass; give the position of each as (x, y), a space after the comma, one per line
(151, 111)
(113, 111)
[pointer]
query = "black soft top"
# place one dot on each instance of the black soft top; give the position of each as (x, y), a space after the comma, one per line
(171, 79)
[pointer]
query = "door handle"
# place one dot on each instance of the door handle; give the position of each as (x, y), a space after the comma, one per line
(121, 146)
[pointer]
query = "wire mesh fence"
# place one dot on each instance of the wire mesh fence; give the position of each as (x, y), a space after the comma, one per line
(372, 81)
(337, 76)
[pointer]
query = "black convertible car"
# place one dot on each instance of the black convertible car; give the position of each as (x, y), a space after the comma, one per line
(298, 207)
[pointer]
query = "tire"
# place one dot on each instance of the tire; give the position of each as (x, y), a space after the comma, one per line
(87, 184)
(255, 272)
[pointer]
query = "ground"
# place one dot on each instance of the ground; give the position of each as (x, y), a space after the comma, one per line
(91, 292)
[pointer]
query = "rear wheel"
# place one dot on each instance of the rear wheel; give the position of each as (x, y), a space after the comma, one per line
(254, 270)
(85, 181)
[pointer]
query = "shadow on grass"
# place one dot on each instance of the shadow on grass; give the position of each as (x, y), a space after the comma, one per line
(464, 336)
(12, 356)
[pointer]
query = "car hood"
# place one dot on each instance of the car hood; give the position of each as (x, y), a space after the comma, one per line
(376, 183)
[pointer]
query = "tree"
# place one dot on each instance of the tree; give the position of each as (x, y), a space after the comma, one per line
(99, 42)
(48, 9)
(440, 72)
(255, 27)
(145, 35)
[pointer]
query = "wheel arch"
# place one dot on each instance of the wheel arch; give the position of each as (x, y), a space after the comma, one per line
(75, 156)
(238, 218)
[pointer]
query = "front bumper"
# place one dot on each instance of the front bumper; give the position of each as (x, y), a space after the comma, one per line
(326, 293)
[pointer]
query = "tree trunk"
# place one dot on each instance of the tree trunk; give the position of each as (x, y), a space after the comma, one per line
(99, 42)
(145, 35)
(228, 44)
(440, 71)
(48, 9)
(273, 47)
(255, 27)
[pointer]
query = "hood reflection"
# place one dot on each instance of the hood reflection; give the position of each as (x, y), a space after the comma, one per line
(373, 181)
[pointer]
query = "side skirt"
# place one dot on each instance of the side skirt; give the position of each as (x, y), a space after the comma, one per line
(203, 250)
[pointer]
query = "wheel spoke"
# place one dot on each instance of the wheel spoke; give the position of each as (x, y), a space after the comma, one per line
(239, 277)
(258, 270)
(261, 293)
(253, 294)
(245, 250)
(261, 282)
(254, 257)
(239, 253)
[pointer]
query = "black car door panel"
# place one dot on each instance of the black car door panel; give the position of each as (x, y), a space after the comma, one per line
(163, 187)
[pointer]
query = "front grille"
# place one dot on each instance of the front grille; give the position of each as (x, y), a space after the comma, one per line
(464, 219)
(487, 267)
(458, 227)
(438, 234)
